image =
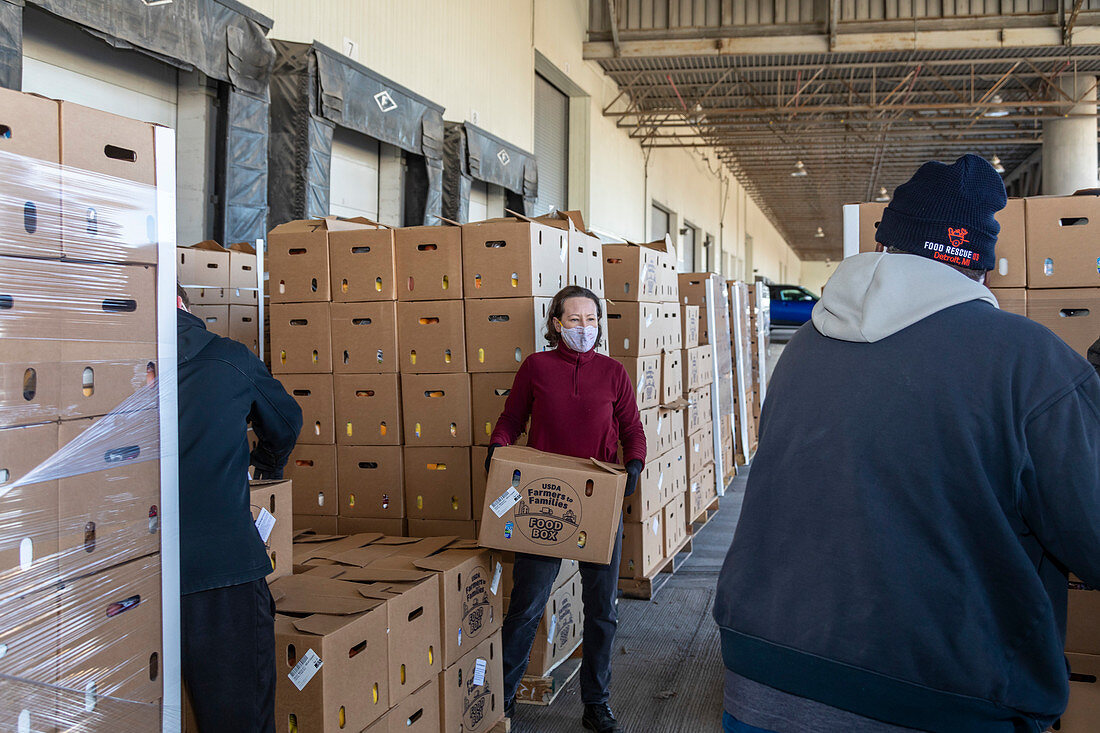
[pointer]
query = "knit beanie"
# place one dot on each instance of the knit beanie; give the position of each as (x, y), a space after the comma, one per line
(946, 213)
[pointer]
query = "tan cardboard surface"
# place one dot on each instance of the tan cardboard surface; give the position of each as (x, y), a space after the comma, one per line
(419, 713)
(672, 376)
(214, 317)
(502, 332)
(429, 263)
(203, 265)
(362, 264)
(648, 496)
(674, 466)
(396, 527)
(368, 409)
(671, 327)
(436, 409)
(371, 481)
(298, 259)
(565, 617)
(1083, 621)
(364, 338)
(643, 547)
(645, 375)
(1011, 268)
(276, 498)
(478, 477)
(1011, 300)
(431, 337)
(243, 276)
(700, 449)
(312, 468)
(301, 338)
(1083, 713)
(870, 214)
(1062, 242)
(36, 505)
(207, 296)
(464, 706)
(1073, 314)
(313, 393)
(567, 507)
(689, 323)
(631, 273)
(508, 258)
(244, 326)
(33, 179)
(315, 522)
(675, 523)
(96, 377)
(437, 483)
(633, 329)
(489, 392)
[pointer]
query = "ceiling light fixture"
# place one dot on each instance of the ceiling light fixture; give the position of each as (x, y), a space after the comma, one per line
(799, 170)
(154, 3)
(997, 164)
(882, 197)
(819, 233)
(996, 111)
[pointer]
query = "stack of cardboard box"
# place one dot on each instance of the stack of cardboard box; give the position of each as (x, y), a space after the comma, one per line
(1083, 655)
(1046, 267)
(223, 289)
(389, 633)
(759, 337)
(698, 417)
(741, 332)
(79, 550)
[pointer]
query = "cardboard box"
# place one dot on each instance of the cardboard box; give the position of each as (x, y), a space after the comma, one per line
(28, 546)
(245, 281)
(312, 469)
(301, 338)
(643, 547)
(111, 641)
(489, 392)
(633, 329)
(371, 481)
(672, 376)
(1073, 314)
(566, 570)
(244, 326)
(699, 410)
(29, 637)
(463, 528)
(671, 327)
(478, 477)
(333, 621)
(689, 323)
(1083, 620)
(368, 409)
(698, 368)
(648, 496)
(555, 506)
(1083, 713)
(700, 449)
(314, 394)
(429, 263)
(204, 265)
(1062, 243)
(108, 187)
(675, 523)
(559, 631)
(437, 483)
(674, 467)
(693, 291)
(354, 525)
(431, 337)
(206, 297)
(364, 338)
(502, 332)
(418, 713)
(214, 317)
(97, 377)
(316, 523)
(670, 429)
(645, 374)
(298, 259)
(275, 498)
(1011, 300)
(362, 263)
(436, 409)
(467, 707)
(30, 192)
(702, 492)
(111, 514)
(585, 263)
(631, 272)
(650, 418)
(1011, 250)
(509, 258)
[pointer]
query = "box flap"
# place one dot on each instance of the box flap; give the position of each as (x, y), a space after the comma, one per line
(307, 536)
(389, 540)
(447, 560)
(568, 220)
(308, 594)
(323, 624)
(306, 226)
(376, 574)
(427, 546)
(677, 404)
(368, 222)
(242, 247)
(208, 244)
(363, 556)
(609, 467)
(661, 245)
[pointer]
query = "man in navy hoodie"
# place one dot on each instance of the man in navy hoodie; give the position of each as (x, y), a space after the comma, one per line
(227, 613)
(928, 472)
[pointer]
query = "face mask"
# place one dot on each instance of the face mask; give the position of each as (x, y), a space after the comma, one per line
(580, 339)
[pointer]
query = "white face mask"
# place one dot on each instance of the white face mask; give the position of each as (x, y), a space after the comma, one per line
(580, 339)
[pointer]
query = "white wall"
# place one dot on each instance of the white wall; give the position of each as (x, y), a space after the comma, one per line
(479, 55)
(816, 274)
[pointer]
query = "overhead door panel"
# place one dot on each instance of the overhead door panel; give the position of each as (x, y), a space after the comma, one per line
(551, 145)
(353, 186)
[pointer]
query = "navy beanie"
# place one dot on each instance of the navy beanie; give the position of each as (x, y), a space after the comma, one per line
(946, 212)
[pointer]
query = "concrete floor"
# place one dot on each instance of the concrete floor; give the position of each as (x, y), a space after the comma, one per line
(667, 668)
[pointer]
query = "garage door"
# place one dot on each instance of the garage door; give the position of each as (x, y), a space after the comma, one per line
(353, 185)
(551, 145)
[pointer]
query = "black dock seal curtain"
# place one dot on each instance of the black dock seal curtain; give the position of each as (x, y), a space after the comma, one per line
(221, 38)
(473, 153)
(314, 90)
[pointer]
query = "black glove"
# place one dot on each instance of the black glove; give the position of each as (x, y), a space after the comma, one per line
(633, 471)
(261, 474)
(489, 458)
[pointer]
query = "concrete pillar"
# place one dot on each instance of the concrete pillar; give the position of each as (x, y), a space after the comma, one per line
(1069, 144)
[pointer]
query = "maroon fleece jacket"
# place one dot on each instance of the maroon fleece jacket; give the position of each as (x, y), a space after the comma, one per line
(580, 405)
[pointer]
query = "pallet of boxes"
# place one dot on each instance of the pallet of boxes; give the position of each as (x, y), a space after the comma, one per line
(80, 480)
(645, 334)
(759, 336)
(383, 634)
(744, 417)
(223, 288)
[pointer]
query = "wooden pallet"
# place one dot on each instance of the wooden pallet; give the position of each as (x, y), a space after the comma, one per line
(503, 726)
(703, 518)
(646, 588)
(542, 690)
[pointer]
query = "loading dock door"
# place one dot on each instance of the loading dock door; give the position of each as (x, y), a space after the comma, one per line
(353, 188)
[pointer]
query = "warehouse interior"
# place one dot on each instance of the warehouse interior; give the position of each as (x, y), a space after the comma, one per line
(381, 201)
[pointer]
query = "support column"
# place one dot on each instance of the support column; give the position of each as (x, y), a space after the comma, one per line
(1069, 144)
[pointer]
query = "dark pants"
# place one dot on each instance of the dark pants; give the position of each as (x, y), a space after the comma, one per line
(731, 724)
(228, 639)
(533, 578)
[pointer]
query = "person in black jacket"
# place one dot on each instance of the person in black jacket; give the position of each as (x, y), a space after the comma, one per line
(928, 472)
(227, 613)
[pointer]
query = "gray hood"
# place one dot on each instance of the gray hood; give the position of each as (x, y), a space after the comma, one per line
(874, 295)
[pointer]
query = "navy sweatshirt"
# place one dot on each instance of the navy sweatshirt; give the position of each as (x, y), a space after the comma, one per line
(223, 387)
(928, 471)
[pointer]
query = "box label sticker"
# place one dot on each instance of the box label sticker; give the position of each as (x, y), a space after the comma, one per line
(553, 627)
(479, 672)
(265, 523)
(508, 530)
(656, 525)
(304, 670)
(504, 502)
(496, 578)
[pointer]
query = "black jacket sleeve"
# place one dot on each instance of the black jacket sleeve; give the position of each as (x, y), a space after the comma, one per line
(276, 420)
(1060, 500)
(1094, 355)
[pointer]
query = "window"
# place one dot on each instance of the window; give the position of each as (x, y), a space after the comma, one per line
(659, 222)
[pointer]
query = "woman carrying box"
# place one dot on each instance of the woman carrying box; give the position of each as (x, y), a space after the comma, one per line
(580, 404)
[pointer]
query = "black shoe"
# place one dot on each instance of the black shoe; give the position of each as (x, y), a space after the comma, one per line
(510, 708)
(600, 719)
